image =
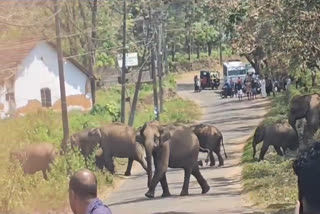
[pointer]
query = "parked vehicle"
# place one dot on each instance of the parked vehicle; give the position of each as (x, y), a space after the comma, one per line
(215, 80)
(234, 69)
(209, 79)
(226, 92)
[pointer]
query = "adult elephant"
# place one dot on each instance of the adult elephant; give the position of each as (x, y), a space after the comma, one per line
(174, 147)
(35, 157)
(210, 138)
(308, 107)
(118, 140)
(280, 136)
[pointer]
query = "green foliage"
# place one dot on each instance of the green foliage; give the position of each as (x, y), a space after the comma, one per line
(110, 109)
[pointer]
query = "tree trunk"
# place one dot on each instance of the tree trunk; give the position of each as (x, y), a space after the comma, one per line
(198, 51)
(209, 49)
(313, 78)
(173, 52)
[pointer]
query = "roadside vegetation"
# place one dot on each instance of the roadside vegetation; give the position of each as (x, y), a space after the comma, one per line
(272, 183)
(21, 193)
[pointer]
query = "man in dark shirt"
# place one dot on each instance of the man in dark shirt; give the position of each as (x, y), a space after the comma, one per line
(306, 167)
(83, 194)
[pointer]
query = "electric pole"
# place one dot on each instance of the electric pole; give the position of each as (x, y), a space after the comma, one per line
(123, 74)
(220, 45)
(153, 71)
(64, 109)
(159, 60)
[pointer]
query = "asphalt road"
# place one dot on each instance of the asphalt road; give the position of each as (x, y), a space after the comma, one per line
(237, 121)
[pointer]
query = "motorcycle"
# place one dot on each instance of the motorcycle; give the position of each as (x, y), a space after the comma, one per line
(226, 92)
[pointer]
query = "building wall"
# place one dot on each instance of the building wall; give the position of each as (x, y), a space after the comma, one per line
(40, 70)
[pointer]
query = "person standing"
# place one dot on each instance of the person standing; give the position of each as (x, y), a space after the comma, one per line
(263, 87)
(268, 86)
(306, 167)
(249, 87)
(254, 88)
(238, 88)
(83, 194)
(232, 84)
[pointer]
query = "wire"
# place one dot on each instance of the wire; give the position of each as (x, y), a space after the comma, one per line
(34, 24)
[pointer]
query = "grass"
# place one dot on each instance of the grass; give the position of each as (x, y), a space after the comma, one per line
(21, 194)
(271, 183)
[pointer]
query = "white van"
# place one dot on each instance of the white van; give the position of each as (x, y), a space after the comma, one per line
(234, 69)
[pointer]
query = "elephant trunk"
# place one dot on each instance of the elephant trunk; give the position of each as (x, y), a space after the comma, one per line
(149, 169)
(292, 121)
(254, 144)
(257, 138)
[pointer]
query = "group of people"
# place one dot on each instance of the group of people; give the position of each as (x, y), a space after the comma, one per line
(253, 85)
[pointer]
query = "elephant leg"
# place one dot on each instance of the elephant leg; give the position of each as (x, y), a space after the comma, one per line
(221, 161)
(284, 149)
(200, 163)
(164, 185)
(45, 176)
(212, 160)
(203, 183)
(161, 160)
(185, 188)
(263, 151)
(278, 150)
(128, 171)
(109, 163)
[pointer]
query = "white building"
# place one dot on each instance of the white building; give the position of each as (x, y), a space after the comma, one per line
(29, 79)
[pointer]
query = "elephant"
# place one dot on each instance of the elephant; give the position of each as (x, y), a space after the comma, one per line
(87, 146)
(85, 143)
(308, 107)
(280, 136)
(35, 157)
(174, 147)
(118, 140)
(210, 138)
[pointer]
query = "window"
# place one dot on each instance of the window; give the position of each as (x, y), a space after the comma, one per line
(10, 96)
(46, 97)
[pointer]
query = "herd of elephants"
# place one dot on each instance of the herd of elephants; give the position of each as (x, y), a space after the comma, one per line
(171, 145)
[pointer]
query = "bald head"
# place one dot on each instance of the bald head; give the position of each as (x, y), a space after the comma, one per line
(84, 184)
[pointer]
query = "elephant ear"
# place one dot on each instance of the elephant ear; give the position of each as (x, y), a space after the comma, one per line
(95, 133)
(259, 133)
(164, 135)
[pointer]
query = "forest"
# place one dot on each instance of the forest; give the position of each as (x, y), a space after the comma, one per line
(276, 36)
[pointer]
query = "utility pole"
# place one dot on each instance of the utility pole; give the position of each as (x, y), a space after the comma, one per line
(123, 74)
(92, 49)
(220, 45)
(153, 71)
(64, 109)
(159, 60)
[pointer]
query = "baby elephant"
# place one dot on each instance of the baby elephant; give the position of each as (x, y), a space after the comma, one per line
(36, 157)
(280, 136)
(210, 138)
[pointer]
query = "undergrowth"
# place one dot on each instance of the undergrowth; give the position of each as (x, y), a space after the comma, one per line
(24, 193)
(271, 183)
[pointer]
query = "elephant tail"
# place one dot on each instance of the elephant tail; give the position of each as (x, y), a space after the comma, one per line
(204, 150)
(224, 149)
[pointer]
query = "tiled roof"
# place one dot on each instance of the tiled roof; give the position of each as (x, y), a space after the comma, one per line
(12, 53)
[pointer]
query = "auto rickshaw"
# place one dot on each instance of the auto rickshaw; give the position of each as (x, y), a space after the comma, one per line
(215, 77)
(209, 79)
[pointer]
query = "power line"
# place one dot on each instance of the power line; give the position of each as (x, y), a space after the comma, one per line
(34, 24)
